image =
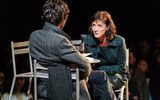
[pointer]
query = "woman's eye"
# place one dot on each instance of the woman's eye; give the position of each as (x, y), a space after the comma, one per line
(99, 25)
(93, 25)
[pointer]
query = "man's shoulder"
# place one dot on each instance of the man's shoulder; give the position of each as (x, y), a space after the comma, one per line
(35, 33)
(49, 35)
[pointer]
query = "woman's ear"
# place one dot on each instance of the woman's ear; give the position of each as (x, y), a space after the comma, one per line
(107, 28)
(108, 33)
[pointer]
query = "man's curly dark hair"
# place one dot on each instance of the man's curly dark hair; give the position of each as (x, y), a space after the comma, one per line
(54, 11)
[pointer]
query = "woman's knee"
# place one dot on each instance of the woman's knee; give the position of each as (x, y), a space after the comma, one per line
(98, 76)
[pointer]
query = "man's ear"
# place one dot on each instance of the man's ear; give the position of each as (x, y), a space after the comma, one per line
(64, 22)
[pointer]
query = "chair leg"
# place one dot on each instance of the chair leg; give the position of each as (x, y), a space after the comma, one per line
(35, 80)
(77, 84)
(29, 87)
(122, 93)
(35, 88)
(126, 92)
(12, 87)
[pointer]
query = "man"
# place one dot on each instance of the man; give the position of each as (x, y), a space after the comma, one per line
(52, 48)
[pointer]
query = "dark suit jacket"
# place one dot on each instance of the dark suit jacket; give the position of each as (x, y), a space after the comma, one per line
(52, 47)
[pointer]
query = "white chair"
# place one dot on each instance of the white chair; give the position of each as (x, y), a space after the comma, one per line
(38, 74)
(20, 48)
(75, 76)
(41, 74)
(123, 91)
(126, 85)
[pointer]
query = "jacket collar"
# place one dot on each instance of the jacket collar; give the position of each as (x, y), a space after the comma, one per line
(112, 43)
(50, 27)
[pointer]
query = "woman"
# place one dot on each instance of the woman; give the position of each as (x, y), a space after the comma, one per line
(110, 48)
(19, 91)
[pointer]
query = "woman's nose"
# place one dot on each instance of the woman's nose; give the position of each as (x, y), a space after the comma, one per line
(95, 29)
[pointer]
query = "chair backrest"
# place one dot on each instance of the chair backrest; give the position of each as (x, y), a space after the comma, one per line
(126, 86)
(127, 61)
(39, 70)
(20, 48)
(79, 44)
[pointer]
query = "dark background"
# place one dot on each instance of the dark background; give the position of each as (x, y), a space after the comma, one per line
(133, 18)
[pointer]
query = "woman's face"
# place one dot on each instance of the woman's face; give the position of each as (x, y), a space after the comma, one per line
(143, 65)
(99, 28)
(20, 83)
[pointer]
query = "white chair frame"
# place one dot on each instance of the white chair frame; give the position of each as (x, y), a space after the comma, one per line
(20, 48)
(37, 74)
